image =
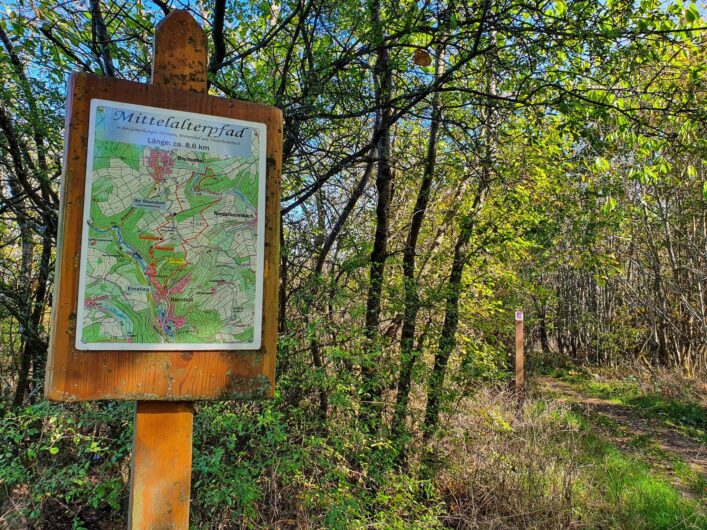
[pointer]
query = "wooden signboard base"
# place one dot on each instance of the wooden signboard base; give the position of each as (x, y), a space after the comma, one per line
(160, 482)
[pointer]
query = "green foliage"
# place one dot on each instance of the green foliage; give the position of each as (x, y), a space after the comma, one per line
(64, 464)
(256, 464)
(231, 451)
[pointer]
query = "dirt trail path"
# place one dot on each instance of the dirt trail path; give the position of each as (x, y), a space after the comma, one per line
(631, 425)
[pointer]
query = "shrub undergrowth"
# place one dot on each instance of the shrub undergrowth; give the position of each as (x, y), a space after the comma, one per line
(497, 464)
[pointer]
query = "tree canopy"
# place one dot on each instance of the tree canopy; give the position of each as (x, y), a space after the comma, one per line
(444, 163)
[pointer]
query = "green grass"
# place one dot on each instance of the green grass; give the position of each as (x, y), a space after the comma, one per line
(650, 452)
(617, 490)
(641, 487)
(688, 418)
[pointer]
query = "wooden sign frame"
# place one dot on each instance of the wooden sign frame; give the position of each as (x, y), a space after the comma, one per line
(155, 375)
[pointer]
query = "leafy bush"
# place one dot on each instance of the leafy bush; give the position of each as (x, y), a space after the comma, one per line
(496, 464)
(64, 466)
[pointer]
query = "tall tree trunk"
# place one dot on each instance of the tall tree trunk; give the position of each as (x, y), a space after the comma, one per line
(371, 408)
(30, 178)
(408, 352)
(101, 39)
(447, 339)
(660, 298)
(315, 280)
(39, 356)
(25, 306)
(544, 338)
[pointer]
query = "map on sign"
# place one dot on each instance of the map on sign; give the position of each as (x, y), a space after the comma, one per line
(172, 246)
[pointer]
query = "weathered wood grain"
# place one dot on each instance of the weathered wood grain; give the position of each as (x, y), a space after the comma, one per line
(160, 485)
(180, 53)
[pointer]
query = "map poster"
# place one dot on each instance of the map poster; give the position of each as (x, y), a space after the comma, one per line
(172, 248)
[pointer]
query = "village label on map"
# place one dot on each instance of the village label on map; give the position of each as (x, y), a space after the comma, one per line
(173, 239)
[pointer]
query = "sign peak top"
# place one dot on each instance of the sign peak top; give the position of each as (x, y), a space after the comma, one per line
(180, 53)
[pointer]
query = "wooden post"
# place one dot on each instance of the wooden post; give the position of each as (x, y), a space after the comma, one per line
(160, 482)
(520, 360)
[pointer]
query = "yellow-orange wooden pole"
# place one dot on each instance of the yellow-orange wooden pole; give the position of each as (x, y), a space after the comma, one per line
(520, 358)
(160, 482)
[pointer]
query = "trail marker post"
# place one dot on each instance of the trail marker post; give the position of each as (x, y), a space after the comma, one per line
(520, 358)
(166, 275)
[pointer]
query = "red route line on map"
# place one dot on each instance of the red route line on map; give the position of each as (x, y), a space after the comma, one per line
(161, 290)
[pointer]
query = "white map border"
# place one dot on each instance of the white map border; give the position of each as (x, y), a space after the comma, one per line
(260, 243)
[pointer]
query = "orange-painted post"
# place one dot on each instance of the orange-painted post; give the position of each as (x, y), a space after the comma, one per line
(160, 482)
(520, 357)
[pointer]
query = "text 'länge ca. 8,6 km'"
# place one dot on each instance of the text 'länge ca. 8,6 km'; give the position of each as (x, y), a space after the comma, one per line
(173, 235)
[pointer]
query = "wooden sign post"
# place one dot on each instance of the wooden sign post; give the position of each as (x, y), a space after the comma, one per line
(162, 438)
(167, 259)
(520, 360)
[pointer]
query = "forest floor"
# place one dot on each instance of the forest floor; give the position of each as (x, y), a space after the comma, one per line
(667, 434)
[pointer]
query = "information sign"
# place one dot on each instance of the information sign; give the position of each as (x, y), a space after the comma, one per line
(167, 259)
(166, 283)
(173, 236)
